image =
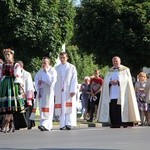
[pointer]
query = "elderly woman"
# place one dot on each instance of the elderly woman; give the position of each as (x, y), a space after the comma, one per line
(11, 94)
(141, 97)
(85, 89)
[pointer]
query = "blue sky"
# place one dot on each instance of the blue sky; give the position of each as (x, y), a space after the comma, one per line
(77, 2)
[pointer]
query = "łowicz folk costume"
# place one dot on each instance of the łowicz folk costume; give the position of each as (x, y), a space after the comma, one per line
(11, 93)
(45, 95)
(22, 120)
(65, 106)
(123, 93)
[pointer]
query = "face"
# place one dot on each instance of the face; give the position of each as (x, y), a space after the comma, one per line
(87, 81)
(116, 61)
(9, 57)
(45, 63)
(96, 73)
(142, 78)
(63, 58)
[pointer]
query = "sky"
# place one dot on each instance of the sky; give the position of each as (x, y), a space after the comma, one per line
(77, 2)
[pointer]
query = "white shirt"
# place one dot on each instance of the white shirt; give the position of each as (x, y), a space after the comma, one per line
(115, 89)
(63, 70)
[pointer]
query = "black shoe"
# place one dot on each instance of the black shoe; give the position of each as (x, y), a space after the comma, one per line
(68, 127)
(89, 120)
(125, 126)
(41, 128)
(113, 126)
(63, 128)
(45, 129)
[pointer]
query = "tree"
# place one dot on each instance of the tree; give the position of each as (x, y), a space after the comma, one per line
(115, 27)
(84, 63)
(36, 28)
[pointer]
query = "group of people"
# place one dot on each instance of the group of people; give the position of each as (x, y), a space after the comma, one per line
(55, 90)
(120, 103)
(90, 94)
(112, 99)
(142, 89)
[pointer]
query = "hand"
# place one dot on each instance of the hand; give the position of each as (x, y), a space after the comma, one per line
(29, 102)
(93, 94)
(114, 82)
(39, 82)
(45, 68)
(72, 94)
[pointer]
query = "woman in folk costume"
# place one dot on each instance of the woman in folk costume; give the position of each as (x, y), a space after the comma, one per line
(141, 97)
(65, 93)
(118, 101)
(12, 99)
(44, 83)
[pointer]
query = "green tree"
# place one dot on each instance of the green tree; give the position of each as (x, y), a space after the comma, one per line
(35, 28)
(115, 27)
(84, 63)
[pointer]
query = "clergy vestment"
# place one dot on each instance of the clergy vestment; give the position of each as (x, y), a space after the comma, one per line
(65, 106)
(124, 93)
(29, 91)
(45, 95)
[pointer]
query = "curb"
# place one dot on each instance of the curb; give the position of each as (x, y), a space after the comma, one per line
(80, 124)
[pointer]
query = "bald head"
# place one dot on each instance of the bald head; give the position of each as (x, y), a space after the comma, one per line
(116, 61)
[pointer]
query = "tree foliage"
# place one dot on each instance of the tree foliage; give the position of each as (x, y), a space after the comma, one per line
(84, 63)
(35, 28)
(115, 27)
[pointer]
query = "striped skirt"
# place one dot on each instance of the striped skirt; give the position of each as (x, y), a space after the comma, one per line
(11, 97)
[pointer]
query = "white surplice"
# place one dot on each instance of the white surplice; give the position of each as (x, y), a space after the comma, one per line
(126, 98)
(65, 106)
(45, 95)
(28, 86)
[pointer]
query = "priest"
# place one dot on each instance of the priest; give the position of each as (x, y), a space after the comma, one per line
(118, 104)
(65, 93)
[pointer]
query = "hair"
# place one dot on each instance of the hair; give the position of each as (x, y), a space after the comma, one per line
(20, 63)
(46, 58)
(116, 57)
(63, 53)
(8, 50)
(87, 78)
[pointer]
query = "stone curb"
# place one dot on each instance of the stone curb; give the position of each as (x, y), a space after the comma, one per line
(96, 125)
(82, 124)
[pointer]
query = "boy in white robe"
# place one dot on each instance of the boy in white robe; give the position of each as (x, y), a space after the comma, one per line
(65, 93)
(44, 82)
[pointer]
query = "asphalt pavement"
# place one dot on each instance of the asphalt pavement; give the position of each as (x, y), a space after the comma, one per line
(103, 138)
